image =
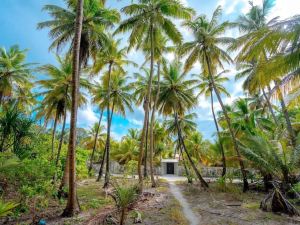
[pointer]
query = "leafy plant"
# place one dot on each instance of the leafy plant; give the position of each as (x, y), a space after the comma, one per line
(6, 208)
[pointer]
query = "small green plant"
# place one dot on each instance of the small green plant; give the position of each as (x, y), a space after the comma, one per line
(124, 197)
(6, 208)
(221, 184)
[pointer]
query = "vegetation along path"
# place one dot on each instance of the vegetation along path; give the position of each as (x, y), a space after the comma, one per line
(187, 210)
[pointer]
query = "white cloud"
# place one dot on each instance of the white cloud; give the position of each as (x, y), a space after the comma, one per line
(86, 116)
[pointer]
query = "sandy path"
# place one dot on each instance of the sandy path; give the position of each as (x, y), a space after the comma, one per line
(187, 210)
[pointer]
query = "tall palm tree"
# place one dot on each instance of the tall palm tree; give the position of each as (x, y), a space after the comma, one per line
(96, 134)
(56, 95)
(115, 59)
(145, 19)
(206, 89)
(15, 74)
(96, 20)
(176, 97)
(259, 37)
(205, 49)
(72, 205)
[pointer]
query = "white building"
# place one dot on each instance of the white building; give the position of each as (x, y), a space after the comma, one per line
(169, 166)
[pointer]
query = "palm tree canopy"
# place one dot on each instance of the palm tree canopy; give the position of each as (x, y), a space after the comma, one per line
(96, 19)
(207, 43)
(155, 15)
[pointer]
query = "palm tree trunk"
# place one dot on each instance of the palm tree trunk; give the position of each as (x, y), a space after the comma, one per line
(180, 138)
(72, 205)
(270, 106)
(218, 132)
(95, 143)
(53, 134)
(61, 137)
(106, 183)
(190, 180)
(241, 162)
(286, 115)
(146, 152)
(65, 178)
(146, 108)
(152, 126)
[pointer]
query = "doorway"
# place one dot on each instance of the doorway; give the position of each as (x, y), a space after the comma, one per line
(170, 168)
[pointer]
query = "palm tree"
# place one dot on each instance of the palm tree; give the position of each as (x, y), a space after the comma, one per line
(176, 97)
(95, 140)
(56, 95)
(72, 205)
(96, 128)
(145, 19)
(96, 20)
(115, 59)
(15, 74)
(256, 46)
(206, 88)
(205, 50)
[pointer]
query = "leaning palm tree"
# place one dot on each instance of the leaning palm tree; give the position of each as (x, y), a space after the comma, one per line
(206, 89)
(145, 19)
(205, 49)
(176, 97)
(115, 58)
(15, 74)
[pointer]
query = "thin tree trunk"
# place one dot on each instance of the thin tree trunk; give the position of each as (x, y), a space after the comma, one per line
(146, 151)
(95, 143)
(53, 135)
(190, 180)
(286, 115)
(241, 162)
(123, 217)
(270, 106)
(61, 137)
(65, 178)
(152, 126)
(72, 205)
(180, 138)
(146, 108)
(219, 136)
(106, 183)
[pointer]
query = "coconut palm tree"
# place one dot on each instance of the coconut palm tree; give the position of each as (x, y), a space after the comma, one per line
(205, 49)
(72, 205)
(95, 140)
(145, 19)
(15, 74)
(96, 20)
(56, 95)
(206, 89)
(176, 97)
(259, 43)
(115, 59)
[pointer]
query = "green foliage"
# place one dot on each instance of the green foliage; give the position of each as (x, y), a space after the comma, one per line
(131, 167)
(6, 208)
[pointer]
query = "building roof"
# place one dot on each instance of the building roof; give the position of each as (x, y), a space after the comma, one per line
(170, 160)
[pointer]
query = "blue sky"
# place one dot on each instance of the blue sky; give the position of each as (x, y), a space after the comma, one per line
(18, 26)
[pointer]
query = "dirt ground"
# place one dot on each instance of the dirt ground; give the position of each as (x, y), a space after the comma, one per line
(231, 207)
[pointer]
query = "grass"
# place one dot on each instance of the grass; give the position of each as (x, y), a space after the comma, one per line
(92, 196)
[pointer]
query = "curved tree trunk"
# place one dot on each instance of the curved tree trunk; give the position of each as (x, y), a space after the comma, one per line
(286, 115)
(180, 138)
(152, 126)
(53, 135)
(107, 175)
(235, 145)
(270, 106)
(146, 108)
(72, 205)
(95, 144)
(219, 136)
